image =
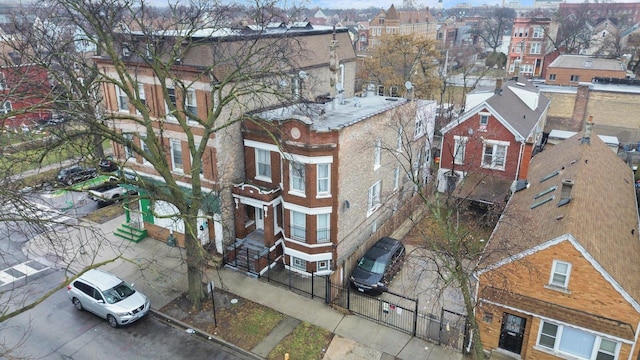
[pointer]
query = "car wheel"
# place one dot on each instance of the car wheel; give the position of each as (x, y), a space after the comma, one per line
(112, 321)
(77, 304)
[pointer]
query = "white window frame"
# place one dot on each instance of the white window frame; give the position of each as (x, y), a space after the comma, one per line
(297, 176)
(554, 272)
(459, 149)
(574, 78)
(177, 159)
(142, 96)
(298, 228)
(538, 32)
(3, 82)
(323, 265)
(377, 154)
(495, 149)
(266, 176)
(323, 186)
(325, 230)
(168, 111)
(6, 107)
(191, 104)
(122, 99)
(373, 197)
(128, 152)
(144, 148)
(399, 139)
(561, 329)
(298, 263)
(536, 48)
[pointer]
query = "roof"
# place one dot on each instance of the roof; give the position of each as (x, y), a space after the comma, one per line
(337, 114)
(483, 188)
(587, 62)
(602, 184)
(100, 279)
(518, 105)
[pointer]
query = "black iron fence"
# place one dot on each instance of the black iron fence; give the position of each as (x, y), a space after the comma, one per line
(390, 309)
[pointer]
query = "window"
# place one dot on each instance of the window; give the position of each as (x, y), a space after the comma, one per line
(3, 82)
(323, 179)
(538, 32)
(459, 149)
(484, 120)
(298, 226)
(576, 343)
(191, 106)
(142, 96)
(144, 148)
(263, 164)
(575, 78)
(377, 153)
(421, 126)
(494, 155)
(323, 228)
(298, 263)
(536, 48)
(123, 100)
(128, 153)
(399, 139)
(373, 197)
(487, 317)
(396, 178)
(323, 265)
(176, 155)
(296, 170)
(6, 108)
(171, 92)
(552, 77)
(560, 273)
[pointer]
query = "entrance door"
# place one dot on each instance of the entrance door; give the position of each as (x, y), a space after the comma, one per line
(259, 218)
(512, 333)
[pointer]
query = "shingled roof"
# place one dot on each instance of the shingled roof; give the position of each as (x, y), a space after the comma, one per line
(518, 105)
(601, 215)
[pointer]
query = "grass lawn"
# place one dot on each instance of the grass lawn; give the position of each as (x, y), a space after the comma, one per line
(306, 341)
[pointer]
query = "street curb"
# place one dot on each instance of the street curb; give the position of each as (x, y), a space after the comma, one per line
(205, 336)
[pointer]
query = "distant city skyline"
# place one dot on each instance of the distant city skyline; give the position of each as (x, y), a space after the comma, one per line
(385, 4)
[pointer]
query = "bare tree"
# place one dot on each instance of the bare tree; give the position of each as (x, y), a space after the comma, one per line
(493, 26)
(192, 50)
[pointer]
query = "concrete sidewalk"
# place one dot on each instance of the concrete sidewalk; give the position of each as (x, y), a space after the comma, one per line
(159, 271)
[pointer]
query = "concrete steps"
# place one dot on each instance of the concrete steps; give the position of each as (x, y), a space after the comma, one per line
(130, 233)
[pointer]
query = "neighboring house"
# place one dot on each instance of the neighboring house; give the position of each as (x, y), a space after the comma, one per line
(392, 21)
(494, 139)
(326, 189)
(22, 89)
(570, 70)
(529, 44)
(222, 161)
(559, 278)
(604, 39)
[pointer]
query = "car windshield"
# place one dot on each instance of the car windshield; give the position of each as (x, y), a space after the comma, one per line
(372, 265)
(118, 293)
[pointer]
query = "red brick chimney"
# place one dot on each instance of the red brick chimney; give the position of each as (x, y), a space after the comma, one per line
(580, 107)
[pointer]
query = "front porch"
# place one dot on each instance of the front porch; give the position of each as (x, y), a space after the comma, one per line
(251, 254)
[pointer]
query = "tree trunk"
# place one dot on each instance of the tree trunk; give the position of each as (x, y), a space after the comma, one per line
(196, 261)
(477, 349)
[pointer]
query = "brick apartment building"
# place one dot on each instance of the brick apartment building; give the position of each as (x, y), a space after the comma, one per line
(530, 41)
(321, 195)
(570, 70)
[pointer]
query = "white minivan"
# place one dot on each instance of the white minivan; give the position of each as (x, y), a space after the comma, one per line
(107, 296)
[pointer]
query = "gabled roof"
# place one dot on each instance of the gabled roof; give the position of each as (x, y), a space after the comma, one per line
(517, 105)
(600, 219)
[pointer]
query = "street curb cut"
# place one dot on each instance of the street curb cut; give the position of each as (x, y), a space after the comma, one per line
(208, 337)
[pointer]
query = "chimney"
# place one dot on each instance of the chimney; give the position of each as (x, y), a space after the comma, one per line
(580, 107)
(498, 85)
(586, 137)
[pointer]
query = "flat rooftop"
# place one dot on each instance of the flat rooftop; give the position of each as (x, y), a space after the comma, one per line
(336, 114)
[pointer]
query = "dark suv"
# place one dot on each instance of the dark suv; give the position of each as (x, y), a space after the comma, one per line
(75, 174)
(378, 265)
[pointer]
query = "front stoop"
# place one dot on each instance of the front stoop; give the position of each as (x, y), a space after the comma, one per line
(131, 233)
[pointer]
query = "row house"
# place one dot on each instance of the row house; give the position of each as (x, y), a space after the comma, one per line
(489, 147)
(529, 44)
(570, 70)
(24, 88)
(222, 161)
(334, 177)
(559, 275)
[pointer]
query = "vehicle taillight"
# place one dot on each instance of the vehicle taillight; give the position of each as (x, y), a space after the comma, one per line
(68, 287)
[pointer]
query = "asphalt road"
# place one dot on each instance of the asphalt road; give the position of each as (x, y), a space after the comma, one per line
(56, 330)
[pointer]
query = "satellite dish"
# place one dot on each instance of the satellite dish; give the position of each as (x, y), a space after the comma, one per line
(302, 74)
(408, 85)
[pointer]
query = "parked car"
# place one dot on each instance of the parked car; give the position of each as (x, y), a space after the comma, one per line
(108, 165)
(107, 296)
(378, 266)
(109, 192)
(74, 174)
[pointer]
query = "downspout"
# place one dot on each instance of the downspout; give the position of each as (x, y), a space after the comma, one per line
(633, 347)
(519, 159)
